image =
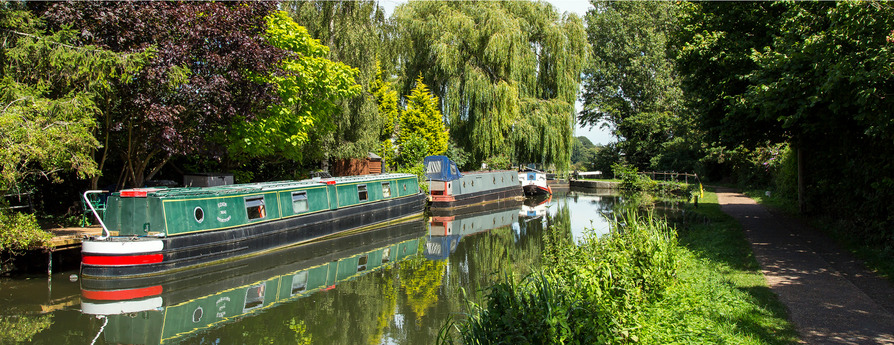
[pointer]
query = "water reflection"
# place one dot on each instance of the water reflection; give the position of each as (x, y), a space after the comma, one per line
(153, 311)
(446, 229)
(395, 285)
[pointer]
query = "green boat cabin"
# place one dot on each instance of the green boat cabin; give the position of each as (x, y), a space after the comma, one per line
(178, 211)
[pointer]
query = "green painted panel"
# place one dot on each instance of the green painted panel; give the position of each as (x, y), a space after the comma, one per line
(407, 186)
(317, 200)
(347, 194)
(133, 216)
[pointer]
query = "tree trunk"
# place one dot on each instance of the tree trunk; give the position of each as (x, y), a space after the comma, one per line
(802, 203)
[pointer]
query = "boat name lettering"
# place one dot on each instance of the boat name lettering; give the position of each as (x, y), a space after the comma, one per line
(223, 220)
(221, 305)
(222, 212)
(222, 204)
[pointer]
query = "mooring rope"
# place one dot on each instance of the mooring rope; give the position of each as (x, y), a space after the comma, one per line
(104, 323)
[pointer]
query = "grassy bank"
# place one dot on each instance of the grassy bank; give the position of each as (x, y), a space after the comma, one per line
(648, 284)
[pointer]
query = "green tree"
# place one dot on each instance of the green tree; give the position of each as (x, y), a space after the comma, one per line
(201, 79)
(815, 75)
(631, 81)
(51, 90)
(310, 89)
(421, 118)
(389, 112)
(356, 33)
(507, 73)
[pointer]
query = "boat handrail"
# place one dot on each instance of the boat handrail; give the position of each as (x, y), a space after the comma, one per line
(105, 231)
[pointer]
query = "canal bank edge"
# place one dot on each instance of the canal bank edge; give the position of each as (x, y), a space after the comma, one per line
(595, 184)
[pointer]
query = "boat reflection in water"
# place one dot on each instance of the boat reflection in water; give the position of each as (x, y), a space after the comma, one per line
(166, 308)
(448, 227)
(536, 207)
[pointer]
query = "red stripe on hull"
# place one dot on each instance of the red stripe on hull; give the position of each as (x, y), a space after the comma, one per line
(122, 260)
(120, 295)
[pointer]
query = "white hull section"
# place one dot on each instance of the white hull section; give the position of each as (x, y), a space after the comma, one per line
(122, 247)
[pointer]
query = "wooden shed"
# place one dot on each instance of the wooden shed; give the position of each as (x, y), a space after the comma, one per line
(372, 164)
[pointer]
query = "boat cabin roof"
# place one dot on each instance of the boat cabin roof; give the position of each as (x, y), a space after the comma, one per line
(246, 188)
(441, 168)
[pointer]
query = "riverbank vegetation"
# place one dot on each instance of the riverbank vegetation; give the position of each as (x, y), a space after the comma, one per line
(645, 282)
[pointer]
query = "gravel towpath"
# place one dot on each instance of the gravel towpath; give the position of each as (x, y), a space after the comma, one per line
(831, 297)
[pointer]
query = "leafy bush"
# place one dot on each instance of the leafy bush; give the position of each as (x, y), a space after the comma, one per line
(590, 297)
(418, 170)
(631, 180)
(498, 162)
(19, 231)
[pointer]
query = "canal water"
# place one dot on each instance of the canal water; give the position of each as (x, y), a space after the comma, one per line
(396, 285)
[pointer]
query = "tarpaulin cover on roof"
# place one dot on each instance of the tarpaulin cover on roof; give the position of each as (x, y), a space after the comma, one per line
(441, 168)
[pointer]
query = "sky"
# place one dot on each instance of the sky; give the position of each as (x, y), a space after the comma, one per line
(596, 134)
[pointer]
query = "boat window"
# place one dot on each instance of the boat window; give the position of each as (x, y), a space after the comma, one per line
(361, 192)
(199, 214)
(197, 314)
(254, 297)
(299, 282)
(386, 255)
(361, 263)
(299, 202)
(386, 189)
(254, 207)
(433, 167)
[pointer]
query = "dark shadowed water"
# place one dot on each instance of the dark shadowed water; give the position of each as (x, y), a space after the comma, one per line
(395, 285)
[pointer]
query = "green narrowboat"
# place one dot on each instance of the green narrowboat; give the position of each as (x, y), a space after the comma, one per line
(150, 231)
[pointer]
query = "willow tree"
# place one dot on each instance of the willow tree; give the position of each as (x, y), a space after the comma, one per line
(507, 73)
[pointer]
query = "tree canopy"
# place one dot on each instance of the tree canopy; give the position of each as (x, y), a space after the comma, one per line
(631, 81)
(357, 34)
(422, 119)
(816, 75)
(310, 86)
(52, 91)
(507, 73)
(199, 81)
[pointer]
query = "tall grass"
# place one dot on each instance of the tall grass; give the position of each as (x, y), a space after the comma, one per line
(638, 284)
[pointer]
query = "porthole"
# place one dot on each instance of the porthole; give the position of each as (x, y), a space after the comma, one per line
(464, 184)
(197, 315)
(199, 214)
(495, 180)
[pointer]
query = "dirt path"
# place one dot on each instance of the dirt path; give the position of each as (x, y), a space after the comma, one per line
(831, 297)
